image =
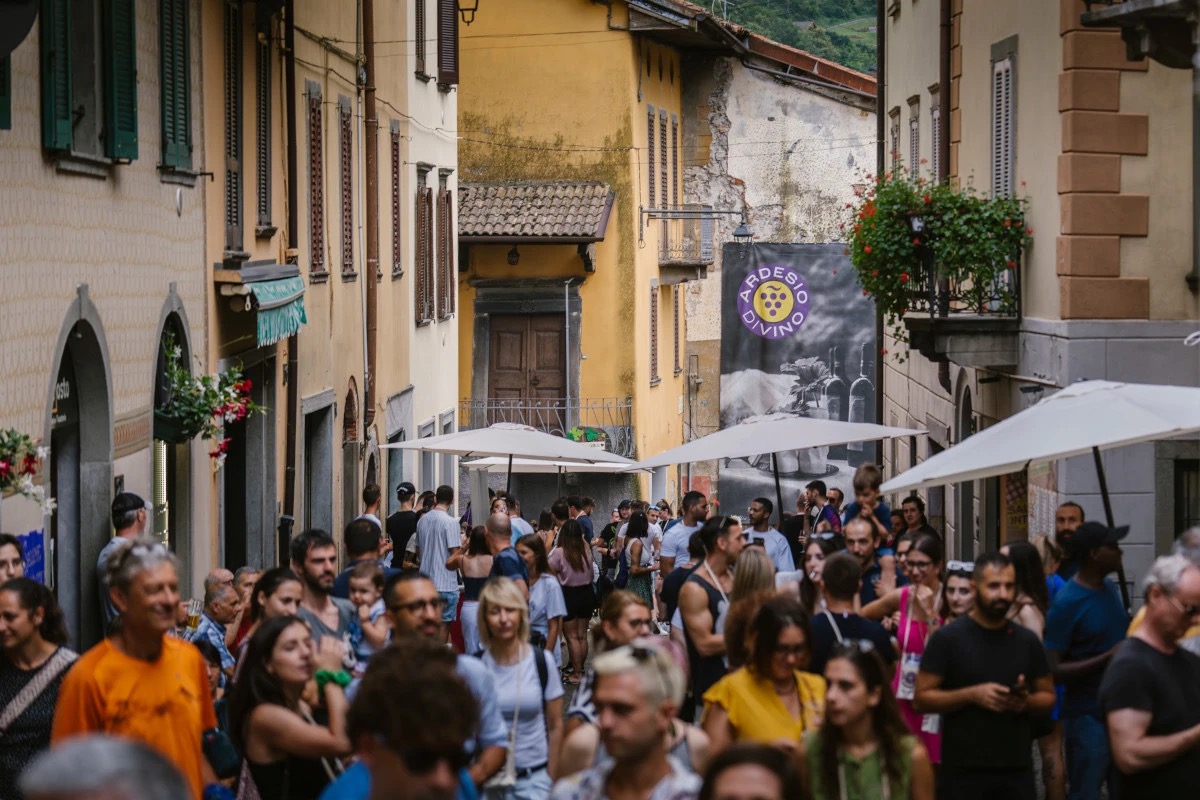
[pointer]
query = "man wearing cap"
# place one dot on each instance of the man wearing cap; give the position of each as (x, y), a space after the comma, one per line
(402, 524)
(1084, 626)
(129, 515)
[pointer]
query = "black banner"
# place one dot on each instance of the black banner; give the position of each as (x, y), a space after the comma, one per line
(797, 336)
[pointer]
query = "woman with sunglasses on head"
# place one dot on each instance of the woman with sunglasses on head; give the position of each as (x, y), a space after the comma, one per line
(920, 608)
(864, 751)
(770, 700)
(528, 693)
(958, 593)
(288, 755)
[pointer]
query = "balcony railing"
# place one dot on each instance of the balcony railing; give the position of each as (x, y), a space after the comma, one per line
(688, 238)
(937, 296)
(610, 417)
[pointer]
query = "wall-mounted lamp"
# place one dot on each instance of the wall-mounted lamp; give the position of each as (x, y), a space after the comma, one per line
(513, 256)
(467, 9)
(743, 234)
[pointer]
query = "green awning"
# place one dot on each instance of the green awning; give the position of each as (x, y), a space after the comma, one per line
(280, 308)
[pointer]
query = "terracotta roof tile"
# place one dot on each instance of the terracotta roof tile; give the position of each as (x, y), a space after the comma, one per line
(549, 209)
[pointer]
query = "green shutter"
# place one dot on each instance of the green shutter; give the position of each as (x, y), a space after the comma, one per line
(120, 81)
(5, 93)
(176, 106)
(56, 74)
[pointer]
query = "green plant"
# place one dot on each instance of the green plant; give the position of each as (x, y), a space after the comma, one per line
(202, 404)
(578, 434)
(20, 460)
(974, 241)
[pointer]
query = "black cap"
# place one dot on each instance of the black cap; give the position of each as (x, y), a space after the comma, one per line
(405, 490)
(126, 502)
(1092, 535)
(624, 504)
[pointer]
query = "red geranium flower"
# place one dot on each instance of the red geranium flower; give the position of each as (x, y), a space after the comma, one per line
(867, 249)
(904, 277)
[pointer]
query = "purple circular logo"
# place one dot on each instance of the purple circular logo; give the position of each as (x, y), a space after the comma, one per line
(773, 301)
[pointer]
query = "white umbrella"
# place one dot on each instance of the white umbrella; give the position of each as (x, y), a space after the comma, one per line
(533, 465)
(1088, 416)
(774, 433)
(511, 441)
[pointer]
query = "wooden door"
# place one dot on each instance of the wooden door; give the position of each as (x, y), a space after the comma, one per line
(526, 381)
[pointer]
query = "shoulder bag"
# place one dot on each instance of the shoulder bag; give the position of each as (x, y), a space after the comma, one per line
(54, 666)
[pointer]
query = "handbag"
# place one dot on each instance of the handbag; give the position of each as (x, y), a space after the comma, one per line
(54, 666)
(507, 776)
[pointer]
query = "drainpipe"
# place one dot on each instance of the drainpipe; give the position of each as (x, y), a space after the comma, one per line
(880, 162)
(567, 349)
(944, 88)
(372, 211)
(1193, 278)
(293, 239)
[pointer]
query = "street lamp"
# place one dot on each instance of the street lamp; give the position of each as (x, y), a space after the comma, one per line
(514, 256)
(467, 9)
(743, 235)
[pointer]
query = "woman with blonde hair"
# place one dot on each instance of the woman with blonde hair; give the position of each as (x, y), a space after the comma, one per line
(754, 573)
(528, 693)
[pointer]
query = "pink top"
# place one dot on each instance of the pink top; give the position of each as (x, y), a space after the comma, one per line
(568, 575)
(911, 635)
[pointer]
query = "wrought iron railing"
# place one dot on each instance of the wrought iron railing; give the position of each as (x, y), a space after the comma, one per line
(607, 419)
(687, 239)
(997, 295)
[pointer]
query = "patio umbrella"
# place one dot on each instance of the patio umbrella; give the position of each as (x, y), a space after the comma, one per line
(511, 441)
(774, 433)
(534, 465)
(1088, 416)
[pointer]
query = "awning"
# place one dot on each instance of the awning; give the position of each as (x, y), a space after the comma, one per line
(280, 308)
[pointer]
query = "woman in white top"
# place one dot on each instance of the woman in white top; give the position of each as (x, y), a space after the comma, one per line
(528, 695)
(547, 606)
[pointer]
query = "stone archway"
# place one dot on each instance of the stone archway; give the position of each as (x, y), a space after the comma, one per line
(965, 426)
(170, 461)
(351, 455)
(79, 425)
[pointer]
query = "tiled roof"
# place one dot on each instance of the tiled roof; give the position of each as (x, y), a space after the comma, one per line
(550, 209)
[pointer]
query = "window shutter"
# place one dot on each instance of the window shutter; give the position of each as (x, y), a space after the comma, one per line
(120, 78)
(419, 35)
(233, 127)
(935, 144)
(654, 333)
(650, 153)
(1002, 127)
(914, 144)
(445, 252)
(675, 292)
(316, 182)
(57, 101)
(664, 173)
(346, 170)
(675, 161)
(175, 83)
(5, 93)
(424, 284)
(397, 257)
(262, 127)
(447, 45)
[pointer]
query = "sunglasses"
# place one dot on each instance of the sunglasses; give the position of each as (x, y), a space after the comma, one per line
(1188, 609)
(851, 647)
(959, 568)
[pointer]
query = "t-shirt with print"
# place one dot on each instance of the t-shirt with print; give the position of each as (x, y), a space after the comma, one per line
(519, 694)
(348, 630)
(437, 534)
(1142, 678)
(964, 653)
(1083, 623)
(776, 547)
(508, 564)
(164, 704)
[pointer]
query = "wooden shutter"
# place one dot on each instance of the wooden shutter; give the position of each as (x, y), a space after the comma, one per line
(675, 161)
(397, 257)
(262, 126)
(233, 127)
(914, 143)
(935, 139)
(174, 77)
(5, 93)
(650, 136)
(316, 182)
(654, 333)
(445, 254)
(447, 46)
(675, 312)
(663, 155)
(419, 35)
(424, 285)
(57, 100)
(346, 173)
(120, 81)
(1002, 127)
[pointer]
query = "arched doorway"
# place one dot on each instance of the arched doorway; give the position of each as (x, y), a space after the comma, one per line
(79, 422)
(170, 467)
(351, 488)
(966, 489)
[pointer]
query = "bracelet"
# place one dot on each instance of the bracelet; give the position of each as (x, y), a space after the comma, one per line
(324, 676)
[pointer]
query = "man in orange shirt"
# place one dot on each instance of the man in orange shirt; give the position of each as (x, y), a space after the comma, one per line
(142, 684)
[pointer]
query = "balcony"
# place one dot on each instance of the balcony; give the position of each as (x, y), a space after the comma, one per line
(685, 241)
(969, 323)
(607, 419)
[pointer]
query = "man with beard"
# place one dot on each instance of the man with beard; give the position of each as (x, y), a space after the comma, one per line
(1067, 520)
(314, 559)
(989, 679)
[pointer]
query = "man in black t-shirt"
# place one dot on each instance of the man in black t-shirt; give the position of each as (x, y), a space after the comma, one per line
(989, 679)
(841, 577)
(1150, 693)
(403, 524)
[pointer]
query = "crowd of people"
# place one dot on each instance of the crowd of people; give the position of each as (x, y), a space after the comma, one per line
(650, 656)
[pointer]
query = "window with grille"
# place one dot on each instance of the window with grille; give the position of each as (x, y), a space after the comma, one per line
(663, 156)
(233, 127)
(424, 288)
(262, 129)
(447, 44)
(316, 182)
(650, 136)
(654, 379)
(675, 318)
(935, 135)
(346, 181)
(1004, 108)
(397, 256)
(174, 77)
(914, 136)
(419, 36)
(675, 161)
(445, 249)
(894, 135)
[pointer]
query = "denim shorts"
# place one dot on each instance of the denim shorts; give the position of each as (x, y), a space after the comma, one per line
(450, 612)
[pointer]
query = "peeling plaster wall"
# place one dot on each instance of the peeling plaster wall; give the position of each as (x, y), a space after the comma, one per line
(788, 156)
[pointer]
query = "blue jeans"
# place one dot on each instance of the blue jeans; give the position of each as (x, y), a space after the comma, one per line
(532, 787)
(1089, 763)
(450, 612)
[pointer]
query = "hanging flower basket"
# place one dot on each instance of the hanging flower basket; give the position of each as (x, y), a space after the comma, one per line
(200, 405)
(20, 459)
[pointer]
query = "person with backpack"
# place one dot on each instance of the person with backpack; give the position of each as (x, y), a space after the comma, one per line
(528, 693)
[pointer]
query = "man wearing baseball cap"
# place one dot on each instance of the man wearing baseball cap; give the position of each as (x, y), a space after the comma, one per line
(129, 516)
(1084, 626)
(403, 524)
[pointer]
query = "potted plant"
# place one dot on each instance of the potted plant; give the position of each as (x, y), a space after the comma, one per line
(587, 435)
(20, 460)
(975, 243)
(200, 405)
